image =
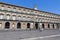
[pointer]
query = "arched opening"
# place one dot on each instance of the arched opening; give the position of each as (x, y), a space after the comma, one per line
(28, 25)
(43, 26)
(48, 26)
(7, 25)
(18, 25)
(36, 25)
(53, 26)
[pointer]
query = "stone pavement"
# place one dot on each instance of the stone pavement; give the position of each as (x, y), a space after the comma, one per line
(17, 35)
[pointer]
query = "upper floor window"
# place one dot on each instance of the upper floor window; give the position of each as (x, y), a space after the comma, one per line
(35, 11)
(19, 17)
(24, 9)
(1, 16)
(19, 9)
(14, 9)
(24, 17)
(28, 10)
(28, 18)
(32, 11)
(9, 9)
(13, 17)
(2, 7)
(8, 16)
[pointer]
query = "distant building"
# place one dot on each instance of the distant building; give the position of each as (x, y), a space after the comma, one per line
(14, 17)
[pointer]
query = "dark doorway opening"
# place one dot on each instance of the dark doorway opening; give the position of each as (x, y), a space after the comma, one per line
(48, 26)
(18, 25)
(28, 25)
(43, 26)
(36, 25)
(7, 25)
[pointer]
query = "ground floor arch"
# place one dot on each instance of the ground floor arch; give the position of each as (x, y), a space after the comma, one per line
(18, 25)
(28, 25)
(48, 25)
(7, 25)
(36, 25)
(43, 26)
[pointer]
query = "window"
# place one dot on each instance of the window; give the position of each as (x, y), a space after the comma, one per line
(23, 9)
(28, 18)
(24, 17)
(31, 10)
(14, 9)
(13, 17)
(28, 10)
(35, 11)
(1, 16)
(9, 9)
(19, 17)
(19, 9)
(8, 17)
(2, 8)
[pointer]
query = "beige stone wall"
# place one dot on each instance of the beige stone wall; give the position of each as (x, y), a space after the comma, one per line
(34, 15)
(13, 25)
(23, 25)
(46, 25)
(31, 25)
(2, 25)
(40, 25)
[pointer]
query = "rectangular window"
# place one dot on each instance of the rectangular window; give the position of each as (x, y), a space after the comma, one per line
(28, 18)
(13, 17)
(14, 9)
(1, 16)
(2, 8)
(9, 9)
(8, 17)
(24, 17)
(19, 17)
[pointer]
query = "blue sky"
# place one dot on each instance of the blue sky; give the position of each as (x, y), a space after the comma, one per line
(43, 5)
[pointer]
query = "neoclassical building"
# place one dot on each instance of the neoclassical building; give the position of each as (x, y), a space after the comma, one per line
(14, 17)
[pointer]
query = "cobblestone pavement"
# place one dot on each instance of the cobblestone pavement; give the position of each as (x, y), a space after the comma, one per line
(20, 35)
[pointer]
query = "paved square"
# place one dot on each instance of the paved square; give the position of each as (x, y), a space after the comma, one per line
(23, 35)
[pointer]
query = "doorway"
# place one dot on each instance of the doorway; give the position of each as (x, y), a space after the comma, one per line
(7, 25)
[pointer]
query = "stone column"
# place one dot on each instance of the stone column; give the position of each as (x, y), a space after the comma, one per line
(51, 27)
(2, 25)
(58, 25)
(34, 25)
(10, 25)
(23, 25)
(31, 25)
(55, 26)
(13, 25)
(40, 25)
(46, 25)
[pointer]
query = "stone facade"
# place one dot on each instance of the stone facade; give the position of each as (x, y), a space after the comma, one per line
(20, 18)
